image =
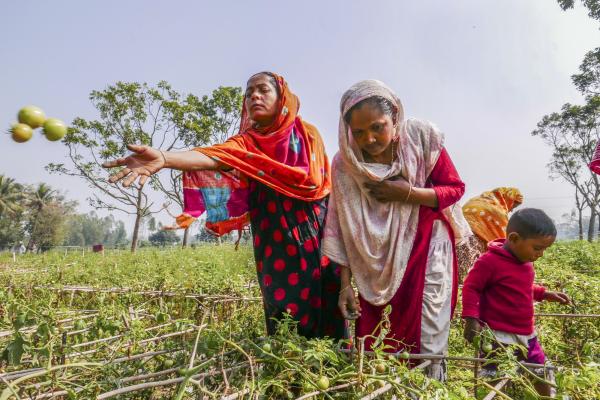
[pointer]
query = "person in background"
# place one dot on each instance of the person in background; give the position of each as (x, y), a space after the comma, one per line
(487, 215)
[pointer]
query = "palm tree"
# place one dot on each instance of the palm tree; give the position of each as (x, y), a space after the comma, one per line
(11, 194)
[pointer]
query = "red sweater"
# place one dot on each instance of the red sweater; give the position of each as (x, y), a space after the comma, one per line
(499, 290)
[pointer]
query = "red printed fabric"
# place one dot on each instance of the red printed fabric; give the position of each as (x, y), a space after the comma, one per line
(294, 278)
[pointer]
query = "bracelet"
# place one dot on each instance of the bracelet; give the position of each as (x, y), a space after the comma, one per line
(348, 286)
(409, 192)
(164, 158)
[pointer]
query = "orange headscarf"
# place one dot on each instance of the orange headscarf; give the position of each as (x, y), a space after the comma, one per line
(254, 151)
(288, 156)
(487, 213)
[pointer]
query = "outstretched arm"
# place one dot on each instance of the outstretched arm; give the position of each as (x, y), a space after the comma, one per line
(145, 161)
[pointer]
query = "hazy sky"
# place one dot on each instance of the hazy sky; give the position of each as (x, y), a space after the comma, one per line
(484, 71)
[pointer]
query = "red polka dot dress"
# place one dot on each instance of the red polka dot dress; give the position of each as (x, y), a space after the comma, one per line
(294, 278)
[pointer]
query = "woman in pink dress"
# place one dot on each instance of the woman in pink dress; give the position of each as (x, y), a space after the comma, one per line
(391, 223)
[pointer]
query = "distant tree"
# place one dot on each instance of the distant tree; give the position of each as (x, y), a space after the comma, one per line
(164, 238)
(572, 135)
(118, 236)
(593, 6)
(89, 229)
(12, 229)
(12, 212)
(38, 199)
(152, 224)
(587, 81)
(50, 229)
(11, 196)
(215, 118)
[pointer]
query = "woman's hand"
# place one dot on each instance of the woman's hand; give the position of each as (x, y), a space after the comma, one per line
(348, 304)
(390, 190)
(143, 162)
(557, 297)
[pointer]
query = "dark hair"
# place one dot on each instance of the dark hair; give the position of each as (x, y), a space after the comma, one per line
(271, 78)
(382, 104)
(531, 222)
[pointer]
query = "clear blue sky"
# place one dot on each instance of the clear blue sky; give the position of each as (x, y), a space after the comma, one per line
(484, 71)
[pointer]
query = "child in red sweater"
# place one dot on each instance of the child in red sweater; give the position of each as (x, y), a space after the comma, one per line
(499, 290)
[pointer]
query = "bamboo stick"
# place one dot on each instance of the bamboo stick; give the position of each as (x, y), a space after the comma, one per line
(497, 388)
(167, 382)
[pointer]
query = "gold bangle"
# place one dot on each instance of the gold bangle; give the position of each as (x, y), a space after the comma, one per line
(348, 286)
(408, 195)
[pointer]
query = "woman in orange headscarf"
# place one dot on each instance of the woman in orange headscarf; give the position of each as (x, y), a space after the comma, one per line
(275, 174)
(487, 215)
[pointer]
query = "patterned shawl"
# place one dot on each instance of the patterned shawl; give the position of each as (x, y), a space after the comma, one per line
(373, 238)
(487, 213)
(288, 156)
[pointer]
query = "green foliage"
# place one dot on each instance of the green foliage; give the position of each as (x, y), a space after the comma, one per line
(285, 365)
(11, 196)
(36, 212)
(164, 238)
(588, 79)
(593, 6)
(90, 229)
(572, 135)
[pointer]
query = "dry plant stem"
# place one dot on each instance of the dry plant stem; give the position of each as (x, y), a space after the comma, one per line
(9, 387)
(317, 392)
(148, 293)
(168, 382)
(452, 358)
(388, 386)
(142, 355)
(236, 395)
(34, 328)
(361, 344)
(6, 393)
(191, 363)
(492, 388)
(201, 387)
(128, 345)
(148, 376)
(200, 328)
(108, 339)
(250, 360)
(497, 388)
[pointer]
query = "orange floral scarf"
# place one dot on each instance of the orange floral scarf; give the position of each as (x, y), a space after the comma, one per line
(487, 213)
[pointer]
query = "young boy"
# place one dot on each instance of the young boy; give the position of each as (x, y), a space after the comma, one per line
(499, 289)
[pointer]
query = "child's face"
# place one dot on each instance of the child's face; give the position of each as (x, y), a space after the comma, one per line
(530, 249)
(372, 130)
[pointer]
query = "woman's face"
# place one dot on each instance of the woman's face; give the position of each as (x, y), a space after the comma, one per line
(260, 100)
(372, 130)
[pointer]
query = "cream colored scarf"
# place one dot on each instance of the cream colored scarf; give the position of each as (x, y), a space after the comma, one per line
(375, 239)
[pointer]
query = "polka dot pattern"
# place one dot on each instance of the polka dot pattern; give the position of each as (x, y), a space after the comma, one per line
(294, 277)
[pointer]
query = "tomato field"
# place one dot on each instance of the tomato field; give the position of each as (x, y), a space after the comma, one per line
(189, 324)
